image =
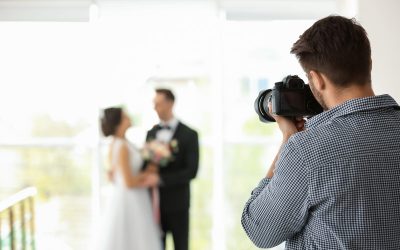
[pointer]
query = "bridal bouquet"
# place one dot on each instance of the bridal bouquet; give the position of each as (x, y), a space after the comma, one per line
(159, 153)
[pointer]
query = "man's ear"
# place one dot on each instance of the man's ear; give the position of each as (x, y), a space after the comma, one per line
(317, 80)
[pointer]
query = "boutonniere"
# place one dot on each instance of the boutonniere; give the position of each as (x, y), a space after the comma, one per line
(174, 146)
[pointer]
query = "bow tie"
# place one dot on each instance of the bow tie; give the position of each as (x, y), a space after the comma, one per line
(164, 127)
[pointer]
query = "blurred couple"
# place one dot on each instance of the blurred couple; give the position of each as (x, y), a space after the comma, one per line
(137, 219)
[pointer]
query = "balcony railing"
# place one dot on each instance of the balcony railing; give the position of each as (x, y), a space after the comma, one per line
(17, 221)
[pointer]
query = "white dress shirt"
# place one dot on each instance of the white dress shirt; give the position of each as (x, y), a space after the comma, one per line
(165, 134)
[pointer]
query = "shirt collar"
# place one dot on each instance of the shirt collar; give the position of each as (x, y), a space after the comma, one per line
(352, 106)
(172, 123)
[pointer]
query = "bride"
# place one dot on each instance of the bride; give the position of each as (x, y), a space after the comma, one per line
(129, 222)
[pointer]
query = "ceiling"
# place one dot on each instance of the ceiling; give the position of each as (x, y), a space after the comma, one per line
(79, 10)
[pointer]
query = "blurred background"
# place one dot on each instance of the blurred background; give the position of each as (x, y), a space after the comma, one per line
(62, 61)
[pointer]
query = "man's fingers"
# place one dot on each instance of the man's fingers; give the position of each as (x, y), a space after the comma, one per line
(299, 119)
(270, 108)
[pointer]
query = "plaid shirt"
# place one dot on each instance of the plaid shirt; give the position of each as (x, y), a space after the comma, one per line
(336, 184)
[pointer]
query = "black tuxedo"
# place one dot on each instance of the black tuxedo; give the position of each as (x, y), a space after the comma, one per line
(175, 183)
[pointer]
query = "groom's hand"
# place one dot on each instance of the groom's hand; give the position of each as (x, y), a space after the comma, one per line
(151, 168)
(151, 180)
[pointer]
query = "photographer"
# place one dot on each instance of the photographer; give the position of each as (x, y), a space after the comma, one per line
(335, 183)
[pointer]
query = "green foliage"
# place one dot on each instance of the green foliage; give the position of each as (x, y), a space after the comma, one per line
(66, 172)
(45, 126)
(200, 212)
(255, 127)
(244, 170)
(55, 171)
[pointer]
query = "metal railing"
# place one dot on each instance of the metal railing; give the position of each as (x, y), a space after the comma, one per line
(17, 221)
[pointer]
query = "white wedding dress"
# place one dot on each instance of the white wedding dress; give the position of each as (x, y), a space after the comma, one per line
(129, 222)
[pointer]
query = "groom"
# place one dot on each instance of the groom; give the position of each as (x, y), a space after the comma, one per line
(175, 177)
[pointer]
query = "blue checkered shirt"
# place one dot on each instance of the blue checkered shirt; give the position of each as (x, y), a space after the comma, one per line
(336, 184)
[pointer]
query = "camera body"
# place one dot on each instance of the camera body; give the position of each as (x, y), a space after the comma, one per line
(289, 98)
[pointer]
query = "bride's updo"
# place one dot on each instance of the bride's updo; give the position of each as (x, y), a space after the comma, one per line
(110, 120)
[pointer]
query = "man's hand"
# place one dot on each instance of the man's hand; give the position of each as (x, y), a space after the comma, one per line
(151, 168)
(150, 180)
(288, 126)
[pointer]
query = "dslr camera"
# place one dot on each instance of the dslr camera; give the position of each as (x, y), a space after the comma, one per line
(290, 98)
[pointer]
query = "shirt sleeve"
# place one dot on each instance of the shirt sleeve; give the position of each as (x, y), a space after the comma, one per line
(278, 207)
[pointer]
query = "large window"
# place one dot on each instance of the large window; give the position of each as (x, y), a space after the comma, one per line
(57, 76)
(255, 56)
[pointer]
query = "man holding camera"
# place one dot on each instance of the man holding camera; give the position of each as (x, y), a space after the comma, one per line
(335, 183)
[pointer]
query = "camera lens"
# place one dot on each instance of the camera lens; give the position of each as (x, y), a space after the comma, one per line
(261, 106)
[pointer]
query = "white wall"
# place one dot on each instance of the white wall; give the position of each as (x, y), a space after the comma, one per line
(381, 19)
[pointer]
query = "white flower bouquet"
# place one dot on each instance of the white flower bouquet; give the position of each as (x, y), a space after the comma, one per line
(159, 153)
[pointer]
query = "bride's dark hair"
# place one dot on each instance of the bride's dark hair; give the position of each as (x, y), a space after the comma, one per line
(110, 120)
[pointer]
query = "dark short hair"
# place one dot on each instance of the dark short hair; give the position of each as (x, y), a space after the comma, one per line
(338, 47)
(167, 93)
(110, 120)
